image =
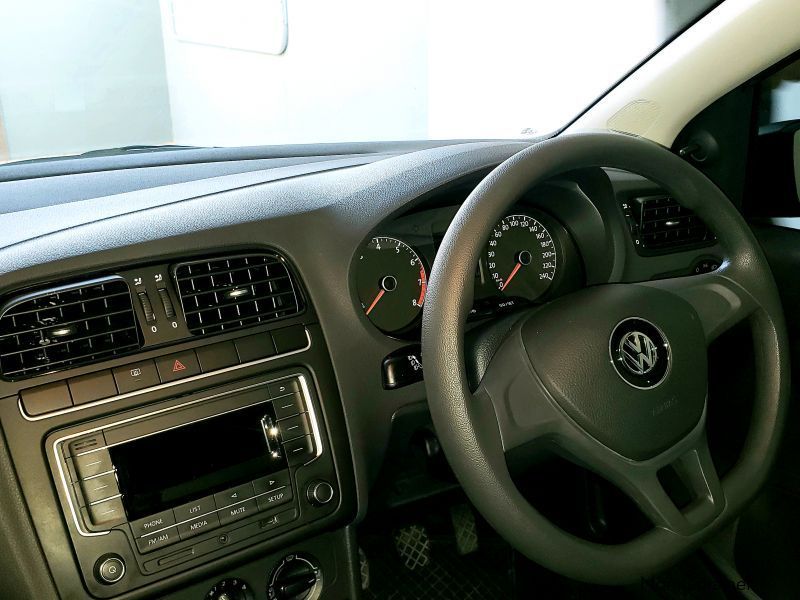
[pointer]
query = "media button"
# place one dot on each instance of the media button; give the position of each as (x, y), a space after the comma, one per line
(197, 526)
(276, 498)
(234, 495)
(107, 513)
(299, 450)
(283, 387)
(288, 406)
(93, 463)
(238, 511)
(278, 519)
(157, 540)
(192, 510)
(152, 523)
(271, 482)
(100, 487)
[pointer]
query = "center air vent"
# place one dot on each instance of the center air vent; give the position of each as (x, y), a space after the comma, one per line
(659, 224)
(67, 326)
(234, 292)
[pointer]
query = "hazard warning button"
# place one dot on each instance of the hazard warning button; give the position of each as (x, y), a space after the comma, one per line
(178, 366)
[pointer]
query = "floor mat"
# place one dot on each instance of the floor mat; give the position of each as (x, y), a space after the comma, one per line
(486, 573)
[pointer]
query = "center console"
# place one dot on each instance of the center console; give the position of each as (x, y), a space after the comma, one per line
(180, 462)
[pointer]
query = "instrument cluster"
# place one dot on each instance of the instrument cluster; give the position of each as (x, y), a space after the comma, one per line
(528, 259)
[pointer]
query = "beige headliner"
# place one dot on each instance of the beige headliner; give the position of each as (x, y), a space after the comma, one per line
(734, 42)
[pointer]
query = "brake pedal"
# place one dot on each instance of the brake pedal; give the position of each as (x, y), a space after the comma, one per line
(465, 528)
(414, 546)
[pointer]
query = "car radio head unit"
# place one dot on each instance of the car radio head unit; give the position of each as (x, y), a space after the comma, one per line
(193, 478)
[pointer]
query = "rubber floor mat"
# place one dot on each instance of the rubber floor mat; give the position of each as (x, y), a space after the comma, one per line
(482, 575)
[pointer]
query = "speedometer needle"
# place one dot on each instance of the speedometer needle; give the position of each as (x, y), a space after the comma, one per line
(377, 298)
(508, 279)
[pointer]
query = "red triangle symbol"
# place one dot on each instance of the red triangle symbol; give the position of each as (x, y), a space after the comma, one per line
(178, 366)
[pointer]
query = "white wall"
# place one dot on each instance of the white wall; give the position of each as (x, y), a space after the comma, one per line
(353, 70)
(365, 70)
(78, 75)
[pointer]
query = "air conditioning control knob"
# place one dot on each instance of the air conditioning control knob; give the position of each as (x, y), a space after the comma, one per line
(319, 492)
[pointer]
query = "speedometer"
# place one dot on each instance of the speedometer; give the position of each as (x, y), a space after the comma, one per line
(521, 257)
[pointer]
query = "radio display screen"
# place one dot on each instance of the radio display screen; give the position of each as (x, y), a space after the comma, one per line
(166, 469)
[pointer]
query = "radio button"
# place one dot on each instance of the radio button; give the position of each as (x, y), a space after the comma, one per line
(238, 511)
(271, 482)
(281, 388)
(107, 513)
(278, 519)
(154, 522)
(100, 487)
(275, 498)
(299, 450)
(234, 495)
(92, 463)
(288, 406)
(157, 540)
(294, 427)
(192, 528)
(195, 509)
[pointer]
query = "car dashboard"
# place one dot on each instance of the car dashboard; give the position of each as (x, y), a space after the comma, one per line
(199, 378)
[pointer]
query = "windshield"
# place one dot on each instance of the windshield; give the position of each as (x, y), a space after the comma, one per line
(89, 74)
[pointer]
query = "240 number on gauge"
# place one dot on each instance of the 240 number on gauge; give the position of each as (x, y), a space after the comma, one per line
(391, 284)
(521, 257)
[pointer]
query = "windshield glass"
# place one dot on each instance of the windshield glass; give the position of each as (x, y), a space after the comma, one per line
(89, 74)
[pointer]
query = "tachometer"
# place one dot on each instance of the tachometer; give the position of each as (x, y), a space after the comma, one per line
(391, 284)
(521, 257)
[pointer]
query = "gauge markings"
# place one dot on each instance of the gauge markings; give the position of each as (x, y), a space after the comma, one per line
(522, 247)
(391, 284)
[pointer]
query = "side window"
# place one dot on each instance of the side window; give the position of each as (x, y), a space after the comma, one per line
(779, 99)
(774, 181)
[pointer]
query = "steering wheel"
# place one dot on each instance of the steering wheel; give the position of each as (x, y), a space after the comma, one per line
(614, 377)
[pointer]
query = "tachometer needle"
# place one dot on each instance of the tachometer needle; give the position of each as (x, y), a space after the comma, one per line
(507, 281)
(374, 302)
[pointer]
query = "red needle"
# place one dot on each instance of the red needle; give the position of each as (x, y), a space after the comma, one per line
(374, 302)
(508, 279)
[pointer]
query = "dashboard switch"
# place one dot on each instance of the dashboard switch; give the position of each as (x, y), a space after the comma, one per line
(166, 303)
(402, 367)
(147, 307)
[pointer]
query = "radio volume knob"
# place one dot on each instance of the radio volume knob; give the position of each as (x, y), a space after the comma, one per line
(319, 492)
(109, 568)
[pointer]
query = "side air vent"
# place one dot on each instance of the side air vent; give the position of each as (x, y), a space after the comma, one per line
(234, 292)
(659, 224)
(62, 327)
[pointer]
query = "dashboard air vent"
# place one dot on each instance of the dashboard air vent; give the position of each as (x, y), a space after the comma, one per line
(234, 292)
(659, 223)
(66, 326)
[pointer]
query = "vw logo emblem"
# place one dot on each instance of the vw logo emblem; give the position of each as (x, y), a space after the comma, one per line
(640, 353)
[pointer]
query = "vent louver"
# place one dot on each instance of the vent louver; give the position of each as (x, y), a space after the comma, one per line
(659, 223)
(67, 326)
(233, 292)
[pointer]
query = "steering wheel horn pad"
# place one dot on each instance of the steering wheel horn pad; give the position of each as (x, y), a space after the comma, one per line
(554, 378)
(567, 343)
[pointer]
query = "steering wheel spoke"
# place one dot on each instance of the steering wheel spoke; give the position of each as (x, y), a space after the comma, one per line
(719, 301)
(687, 468)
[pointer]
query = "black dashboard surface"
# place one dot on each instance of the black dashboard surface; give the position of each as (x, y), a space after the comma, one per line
(319, 215)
